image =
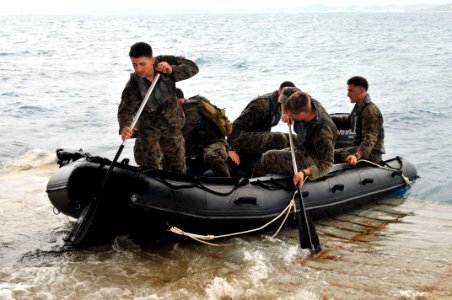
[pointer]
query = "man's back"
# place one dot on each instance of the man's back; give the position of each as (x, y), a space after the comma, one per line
(257, 115)
(198, 130)
(370, 133)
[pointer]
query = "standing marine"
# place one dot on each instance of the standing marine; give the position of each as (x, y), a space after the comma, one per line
(159, 142)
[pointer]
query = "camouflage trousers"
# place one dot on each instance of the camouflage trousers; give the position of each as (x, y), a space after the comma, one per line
(341, 154)
(260, 142)
(280, 162)
(161, 148)
(214, 157)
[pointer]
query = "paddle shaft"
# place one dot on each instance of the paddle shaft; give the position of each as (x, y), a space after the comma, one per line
(132, 125)
(302, 206)
(143, 104)
(87, 216)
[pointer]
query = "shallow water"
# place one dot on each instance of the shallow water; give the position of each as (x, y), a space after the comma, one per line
(396, 249)
(60, 84)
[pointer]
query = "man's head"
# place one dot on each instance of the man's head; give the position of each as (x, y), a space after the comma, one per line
(285, 84)
(180, 95)
(298, 106)
(142, 61)
(140, 49)
(357, 89)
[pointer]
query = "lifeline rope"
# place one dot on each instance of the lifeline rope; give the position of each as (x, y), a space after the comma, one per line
(205, 238)
(405, 179)
(210, 237)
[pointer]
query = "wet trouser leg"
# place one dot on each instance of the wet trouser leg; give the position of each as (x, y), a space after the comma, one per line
(215, 156)
(147, 150)
(280, 162)
(172, 145)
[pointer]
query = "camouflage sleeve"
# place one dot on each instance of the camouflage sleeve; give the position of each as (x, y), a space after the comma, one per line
(252, 114)
(182, 68)
(130, 100)
(342, 122)
(324, 143)
(286, 93)
(372, 121)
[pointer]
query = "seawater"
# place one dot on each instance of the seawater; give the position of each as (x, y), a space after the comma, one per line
(60, 84)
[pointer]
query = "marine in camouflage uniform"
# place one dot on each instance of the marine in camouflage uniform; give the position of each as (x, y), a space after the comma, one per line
(366, 121)
(159, 142)
(203, 139)
(251, 131)
(314, 148)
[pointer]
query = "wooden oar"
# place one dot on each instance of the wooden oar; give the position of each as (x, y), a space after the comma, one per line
(86, 218)
(306, 228)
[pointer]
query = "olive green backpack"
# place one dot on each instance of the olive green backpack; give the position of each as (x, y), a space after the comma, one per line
(213, 113)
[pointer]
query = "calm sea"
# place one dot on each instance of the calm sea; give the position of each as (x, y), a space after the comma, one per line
(61, 80)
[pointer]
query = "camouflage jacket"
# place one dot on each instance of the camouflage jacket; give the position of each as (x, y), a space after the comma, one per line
(162, 108)
(260, 115)
(367, 123)
(315, 138)
(198, 131)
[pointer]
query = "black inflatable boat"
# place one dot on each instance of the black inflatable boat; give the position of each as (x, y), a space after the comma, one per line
(147, 202)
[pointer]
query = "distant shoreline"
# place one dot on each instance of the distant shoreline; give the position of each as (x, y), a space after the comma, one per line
(230, 13)
(318, 8)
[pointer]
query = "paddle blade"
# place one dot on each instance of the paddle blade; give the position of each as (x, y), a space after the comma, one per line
(81, 227)
(307, 233)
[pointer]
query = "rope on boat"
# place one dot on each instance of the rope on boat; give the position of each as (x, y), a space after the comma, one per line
(205, 238)
(406, 180)
(291, 206)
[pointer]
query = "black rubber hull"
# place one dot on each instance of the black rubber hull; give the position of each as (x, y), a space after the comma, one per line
(148, 202)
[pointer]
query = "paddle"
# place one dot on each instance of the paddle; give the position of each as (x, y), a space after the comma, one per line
(306, 228)
(86, 218)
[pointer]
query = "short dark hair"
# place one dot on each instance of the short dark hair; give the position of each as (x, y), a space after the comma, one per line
(298, 102)
(140, 49)
(179, 93)
(286, 84)
(359, 81)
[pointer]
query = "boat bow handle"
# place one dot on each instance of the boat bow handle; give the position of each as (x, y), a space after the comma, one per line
(396, 173)
(337, 187)
(367, 180)
(246, 201)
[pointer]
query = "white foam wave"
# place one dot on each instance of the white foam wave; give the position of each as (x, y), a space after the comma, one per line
(409, 294)
(29, 160)
(220, 288)
(6, 294)
(259, 272)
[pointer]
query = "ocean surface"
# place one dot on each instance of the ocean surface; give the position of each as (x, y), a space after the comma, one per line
(61, 80)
